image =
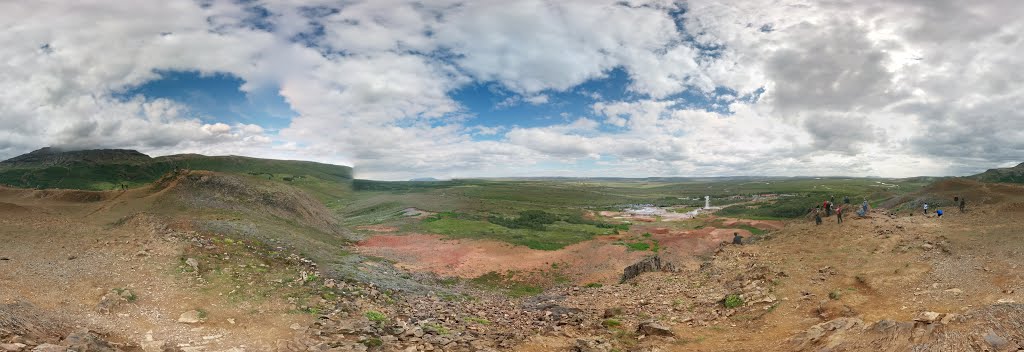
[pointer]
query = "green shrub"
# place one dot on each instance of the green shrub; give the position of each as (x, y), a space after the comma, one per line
(732, 301)
(376, 316)
(593, 285)
(638, 246)
(373, 342)
(436, 328)
(611, 323)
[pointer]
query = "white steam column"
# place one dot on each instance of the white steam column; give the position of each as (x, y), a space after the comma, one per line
(707, 202)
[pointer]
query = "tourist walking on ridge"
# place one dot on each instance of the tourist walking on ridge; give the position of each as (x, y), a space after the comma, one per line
(817, 216)
(846, 199)
(839, 215)
(828, 209)
(832, 199)
(925, 208)
(865, 206)
(963, 202)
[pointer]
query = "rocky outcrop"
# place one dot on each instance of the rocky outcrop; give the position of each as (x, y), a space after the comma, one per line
(998, 327)
(647, 265)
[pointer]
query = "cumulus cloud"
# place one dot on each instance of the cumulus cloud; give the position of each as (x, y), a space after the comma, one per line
(715, 87)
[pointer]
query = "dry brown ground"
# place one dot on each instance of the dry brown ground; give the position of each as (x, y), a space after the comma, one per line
(64, 254)
(875, 268)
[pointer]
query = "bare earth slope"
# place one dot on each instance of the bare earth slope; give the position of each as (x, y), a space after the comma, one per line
(211, 262)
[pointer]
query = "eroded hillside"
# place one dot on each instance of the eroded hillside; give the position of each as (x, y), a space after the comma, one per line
(206, 261)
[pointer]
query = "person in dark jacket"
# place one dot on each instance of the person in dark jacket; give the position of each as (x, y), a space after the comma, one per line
(736, 238)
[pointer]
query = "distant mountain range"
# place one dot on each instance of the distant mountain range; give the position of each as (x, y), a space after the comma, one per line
(99, 169)
(50, 156)
(1010, 174)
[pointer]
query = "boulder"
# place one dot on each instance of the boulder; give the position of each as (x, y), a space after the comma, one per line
(193, 263)
(612, 312)
(928, 317)
(649, 264)
(651, 328)
(87, 341)
(191, 317)
(592, 344)
(49, 347)
(12, 347)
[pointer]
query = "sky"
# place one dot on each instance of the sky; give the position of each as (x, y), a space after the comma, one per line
(588, 88)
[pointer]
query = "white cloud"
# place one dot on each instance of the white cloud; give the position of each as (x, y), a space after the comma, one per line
(849, 87)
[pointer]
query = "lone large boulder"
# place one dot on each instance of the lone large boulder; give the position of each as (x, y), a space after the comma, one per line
(87, 341)
(651, 328)
(191, 317)
(592, 344)
(647, 265)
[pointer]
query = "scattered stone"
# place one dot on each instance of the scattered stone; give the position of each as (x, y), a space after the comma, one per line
(86, 341)
(651, 328)
(821, 334)
(12, 347)
(955, 291)
(997, 342)
(49, 347)
(612, 312)
(192, 262)
(948, 318)
(191, 317)
(153, 346)
(928, 317)
(592, 345)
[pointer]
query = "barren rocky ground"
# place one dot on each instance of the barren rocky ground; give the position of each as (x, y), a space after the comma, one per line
(141, 271)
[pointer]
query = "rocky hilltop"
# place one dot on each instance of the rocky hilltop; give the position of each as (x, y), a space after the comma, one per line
(52, 156)
(1010, 174)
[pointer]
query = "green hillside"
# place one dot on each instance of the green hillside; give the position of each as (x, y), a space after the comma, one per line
(110, 168)
(1005, 175)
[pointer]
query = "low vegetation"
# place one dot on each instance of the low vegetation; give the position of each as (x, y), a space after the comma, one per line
(732, 301)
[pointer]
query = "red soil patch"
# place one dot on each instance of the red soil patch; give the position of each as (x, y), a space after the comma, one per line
(597, 260)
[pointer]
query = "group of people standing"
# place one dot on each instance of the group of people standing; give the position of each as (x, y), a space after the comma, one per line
(829, 206)
(958, 200)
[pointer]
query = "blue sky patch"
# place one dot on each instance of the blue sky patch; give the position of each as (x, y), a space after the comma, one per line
(217, 98)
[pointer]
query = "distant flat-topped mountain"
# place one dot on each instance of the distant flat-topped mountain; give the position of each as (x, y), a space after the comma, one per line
(101, 169)
(50, 156)
(1007, 175)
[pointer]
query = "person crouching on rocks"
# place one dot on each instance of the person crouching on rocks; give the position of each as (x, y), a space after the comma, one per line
(736, 238)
